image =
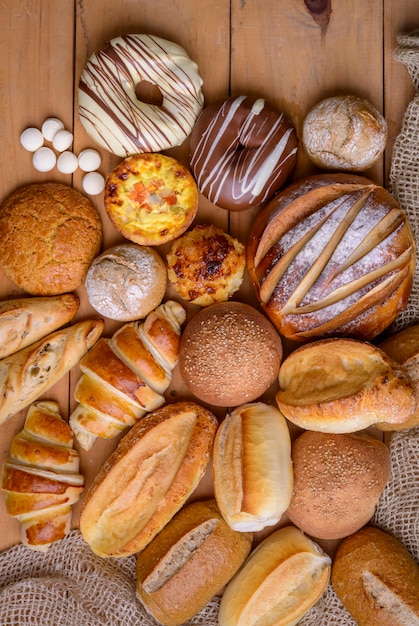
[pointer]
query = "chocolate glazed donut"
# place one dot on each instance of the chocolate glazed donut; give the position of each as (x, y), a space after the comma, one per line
(242, 152)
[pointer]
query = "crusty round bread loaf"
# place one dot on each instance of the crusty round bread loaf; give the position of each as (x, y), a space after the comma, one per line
(343, 385)
(377, 579)
(229, 354)
(278, 583)
(332, 255)
(338, 480)
(50, 234)
(344, 133)
(126, 282)
(188, 562)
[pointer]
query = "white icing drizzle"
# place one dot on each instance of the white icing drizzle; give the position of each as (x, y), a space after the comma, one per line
(108, 106)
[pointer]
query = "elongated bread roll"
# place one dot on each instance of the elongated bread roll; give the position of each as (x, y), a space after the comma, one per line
(188, 562)
(151, 474)
(124, 377)
(25, 320)
(278, 583)
(41, 479)
(252, 467)
(27, 374)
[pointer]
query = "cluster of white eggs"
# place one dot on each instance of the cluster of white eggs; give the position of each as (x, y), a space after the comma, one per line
(45, 158)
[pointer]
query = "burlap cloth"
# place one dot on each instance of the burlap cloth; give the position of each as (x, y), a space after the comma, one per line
(70, 586)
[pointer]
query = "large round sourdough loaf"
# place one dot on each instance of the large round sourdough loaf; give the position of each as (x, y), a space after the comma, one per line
(332, 254)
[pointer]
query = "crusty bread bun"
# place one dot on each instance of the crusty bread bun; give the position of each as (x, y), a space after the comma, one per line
(338, 480)
(332, 255)
(147, 479)
(343, 385)
(126, 282)
(252, 467)
(206, 265)
(50, 234)
(279, 582)
(229, 354)
(377, 579)
(344, 133)
(188, 562)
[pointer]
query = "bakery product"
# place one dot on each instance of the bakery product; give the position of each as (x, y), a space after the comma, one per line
(25, 320)
(242, 152)
(151, 198)
(126, 122)
(338, 480)
(189, 562)
(229, 354)
(278, 583)
(50, 234)
(344, 133)
(41, 479)
(332, 255)
(126, 282)
(377, 579)
(125, 376)
(252, 468)
(149, 477)
(206, 265)
(30, 372)
(343, 385)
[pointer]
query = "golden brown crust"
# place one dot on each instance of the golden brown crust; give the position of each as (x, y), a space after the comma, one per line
(50, 234)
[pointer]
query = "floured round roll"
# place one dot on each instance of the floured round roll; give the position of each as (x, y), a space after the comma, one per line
(126, 282)
(279, 582)
(342, 386)
(338, 480)
(252, 467)
(332, 255)
(188, 562)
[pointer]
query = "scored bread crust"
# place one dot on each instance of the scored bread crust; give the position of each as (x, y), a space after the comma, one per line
(147, 479)
(343, 385)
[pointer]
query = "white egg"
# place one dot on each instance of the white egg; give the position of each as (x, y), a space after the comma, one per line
(89, 160)
(93, 183)
(44, 159)
(50, 127)
(32, 139)
(67, 162)
(62, 140)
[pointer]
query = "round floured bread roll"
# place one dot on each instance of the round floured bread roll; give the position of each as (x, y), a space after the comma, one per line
(229, 354)
(50, 234)
(338, 480)
(344, 133)
(126, 282)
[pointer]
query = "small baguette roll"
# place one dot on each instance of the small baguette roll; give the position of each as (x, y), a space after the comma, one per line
(25, 320)
(189, 562)
(279, 582)
(252, 467)
(343, 385)
(148, 478)
(376, 579)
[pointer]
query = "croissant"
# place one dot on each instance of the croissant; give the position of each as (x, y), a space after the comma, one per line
(125, 377)
(41, 479)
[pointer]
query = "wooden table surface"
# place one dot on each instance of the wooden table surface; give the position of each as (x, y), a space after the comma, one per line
(290, 52)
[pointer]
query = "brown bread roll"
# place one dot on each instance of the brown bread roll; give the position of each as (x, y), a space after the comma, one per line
(376, 579)
(148, 478)
(189, 562)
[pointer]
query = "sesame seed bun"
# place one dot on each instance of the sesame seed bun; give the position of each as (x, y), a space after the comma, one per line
(229, 354)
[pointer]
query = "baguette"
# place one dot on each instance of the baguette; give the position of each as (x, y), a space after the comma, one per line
(27, 374)
(25, 320)
(151, 474)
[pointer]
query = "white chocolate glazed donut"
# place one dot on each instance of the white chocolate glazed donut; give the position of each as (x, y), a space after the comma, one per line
(109, 109)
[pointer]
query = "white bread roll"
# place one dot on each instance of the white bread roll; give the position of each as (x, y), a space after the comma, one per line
(377, 579)
(189, 562)
(278, 583)
(252, 467)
